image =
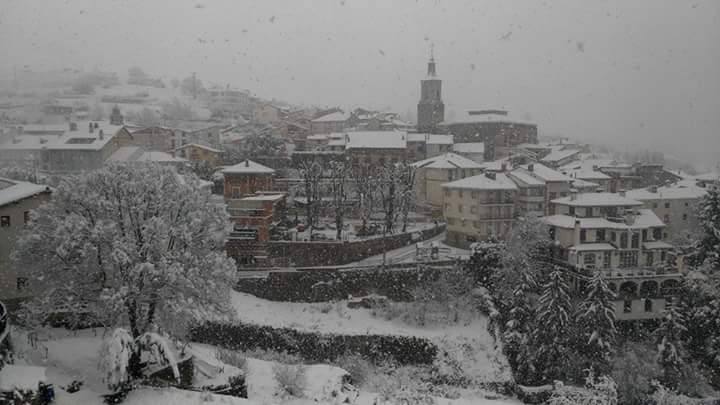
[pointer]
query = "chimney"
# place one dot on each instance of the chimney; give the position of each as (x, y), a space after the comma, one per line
(247, 163)
(490, 175)
(531, 167)
(90, 128)
(100, 134)
(97, 125)
(653, 189)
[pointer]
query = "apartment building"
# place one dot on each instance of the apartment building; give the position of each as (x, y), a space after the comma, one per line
(612, 234)
(432, 173)
(479, 207)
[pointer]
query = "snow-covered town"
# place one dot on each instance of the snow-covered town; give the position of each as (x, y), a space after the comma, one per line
(208, 212)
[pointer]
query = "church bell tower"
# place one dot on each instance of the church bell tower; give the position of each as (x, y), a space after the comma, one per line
(430, 110)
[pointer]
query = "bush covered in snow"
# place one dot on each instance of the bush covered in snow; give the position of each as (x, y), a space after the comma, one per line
(290, 379)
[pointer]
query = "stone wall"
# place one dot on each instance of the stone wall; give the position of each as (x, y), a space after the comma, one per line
(331, 253)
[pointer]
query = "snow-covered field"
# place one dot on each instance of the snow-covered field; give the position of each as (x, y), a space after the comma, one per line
(70, 356)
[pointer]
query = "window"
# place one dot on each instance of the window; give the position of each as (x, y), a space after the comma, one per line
(474, 195)
(663, 256)
(623, 240)
(648, 305)
(666, 218)
(460, 208)
(613, 236)
(687, 204)
(635, 244)
(644, 235)
(21, 283)
(667, 205)
(4, 221)
(451, 221)
(657, 233)
(460, 193)
(628, 259)
(649, 256)
(606, 260)
(684, 217)
(600, 235)
(571, 210)
(627, 306)
(589, 258)
(655, 205)
(473, 209)
(26, 217)
(583, 235)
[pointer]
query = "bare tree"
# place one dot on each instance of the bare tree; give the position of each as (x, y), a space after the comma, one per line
(388, 189)
(339, 170)
(366, 181)
(406, 191)
(311, 172)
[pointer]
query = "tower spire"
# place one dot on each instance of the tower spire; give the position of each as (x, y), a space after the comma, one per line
(431, 64)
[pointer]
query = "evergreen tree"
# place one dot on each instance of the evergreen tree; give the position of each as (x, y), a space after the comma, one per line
(596, 323)
(519, 323)
(669, 335)
(485, 262)
(550, 337)
(709, 249)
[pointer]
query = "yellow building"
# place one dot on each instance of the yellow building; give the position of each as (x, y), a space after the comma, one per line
(479, 207)
(432, 173)
(199, 153)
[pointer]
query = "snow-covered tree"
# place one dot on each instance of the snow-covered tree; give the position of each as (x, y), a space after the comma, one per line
(485, 261)
(137, 246)
(388, 191)
(553, 322)
(519, 322)
(406, 191)
(596, 322)
(669, 335)
(709, 249)
(339, 171)
(597, 391)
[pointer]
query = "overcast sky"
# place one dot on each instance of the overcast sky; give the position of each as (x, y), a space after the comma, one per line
(629, 72)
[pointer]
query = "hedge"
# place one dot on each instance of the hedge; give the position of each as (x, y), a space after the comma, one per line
(313, 346)
(322, 286)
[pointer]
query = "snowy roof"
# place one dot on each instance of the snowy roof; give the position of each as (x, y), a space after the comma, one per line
(712, 176)
(644, 219)
(14, 377)
(592, 247)
(376, 140)
(265, 197)
(497, 165)
(333, 117)
(12, 190)
(673, 192)
(588, 175)
(472, 116)
(579, 183)
(557, 155)
(545, 173)
(138, 154)
(658, 244)
(248, 167)
(469, 147)
(447, 161)
(526, 178)
(197, 145)
(597, 200)
(482, 182)
(82, 139)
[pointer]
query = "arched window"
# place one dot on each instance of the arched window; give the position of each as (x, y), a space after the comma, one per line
(648, 305)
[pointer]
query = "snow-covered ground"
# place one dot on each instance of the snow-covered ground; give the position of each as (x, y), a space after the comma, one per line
(470, 344)
(69, 356)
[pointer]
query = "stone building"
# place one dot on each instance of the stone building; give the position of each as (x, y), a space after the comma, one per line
(479, 207)
(333, 122)
(17, 200)
(430, 108)
(500, 133)
(612, 234)
(199, 153)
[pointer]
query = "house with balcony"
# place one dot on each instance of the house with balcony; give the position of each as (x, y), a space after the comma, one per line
(479, 207)
(246, 178)
(432, 173)
(612, 234)
(557, 185)
(531, 192)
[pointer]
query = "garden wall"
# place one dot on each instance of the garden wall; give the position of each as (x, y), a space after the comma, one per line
(330, 253)
(315, 347)
(321, 286)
